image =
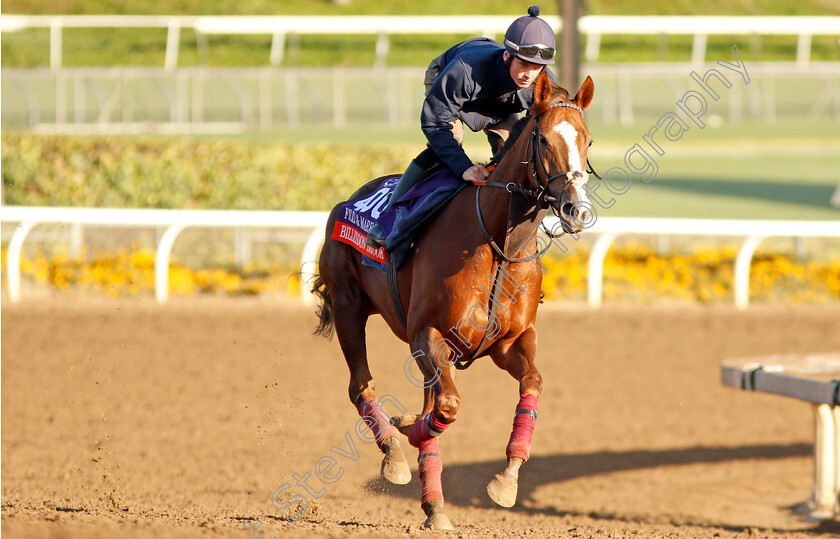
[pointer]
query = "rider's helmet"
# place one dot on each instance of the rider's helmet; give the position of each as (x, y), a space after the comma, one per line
(531, 39)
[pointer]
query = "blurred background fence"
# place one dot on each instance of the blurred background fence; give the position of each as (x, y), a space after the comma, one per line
(201, 99)
(284, 28)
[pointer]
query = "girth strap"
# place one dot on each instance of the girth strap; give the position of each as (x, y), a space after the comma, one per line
(492, 316)
(393, 287)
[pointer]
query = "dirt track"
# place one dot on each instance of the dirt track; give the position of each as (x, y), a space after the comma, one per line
(122, 418)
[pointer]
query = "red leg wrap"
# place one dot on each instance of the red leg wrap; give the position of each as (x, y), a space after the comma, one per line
(430, 469)
(523, 427)
(428, 428)
(377, 421)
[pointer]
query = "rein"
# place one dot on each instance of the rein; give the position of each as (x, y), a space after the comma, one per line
(490, 239)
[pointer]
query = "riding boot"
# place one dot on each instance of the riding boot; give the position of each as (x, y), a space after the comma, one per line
(412, 175)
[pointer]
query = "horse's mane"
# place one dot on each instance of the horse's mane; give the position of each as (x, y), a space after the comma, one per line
(558, 95)
(511, 140)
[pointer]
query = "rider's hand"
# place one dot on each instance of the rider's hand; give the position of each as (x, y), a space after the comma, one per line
(475, 173)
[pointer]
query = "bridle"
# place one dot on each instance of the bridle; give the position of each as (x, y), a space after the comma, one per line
(543, 198)
(572, 177)
(542, 179)
(589, 169)
(541, 194)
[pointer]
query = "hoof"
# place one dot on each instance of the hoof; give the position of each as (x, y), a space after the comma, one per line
(402, 422)
(394, 466)
(438, 521)
(502, 490)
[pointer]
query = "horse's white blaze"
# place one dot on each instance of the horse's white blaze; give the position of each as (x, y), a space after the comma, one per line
(574, 194)
(569, 134)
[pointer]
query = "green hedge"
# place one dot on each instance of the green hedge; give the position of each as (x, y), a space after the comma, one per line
(125, 172)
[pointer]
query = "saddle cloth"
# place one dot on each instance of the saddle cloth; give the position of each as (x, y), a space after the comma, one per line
(401, 222)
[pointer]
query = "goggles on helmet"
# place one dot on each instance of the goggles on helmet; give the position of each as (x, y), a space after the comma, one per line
(532, 51)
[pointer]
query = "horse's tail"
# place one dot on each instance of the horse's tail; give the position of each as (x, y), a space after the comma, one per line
(326, 321)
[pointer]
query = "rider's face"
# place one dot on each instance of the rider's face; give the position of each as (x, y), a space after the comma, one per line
(524, 73)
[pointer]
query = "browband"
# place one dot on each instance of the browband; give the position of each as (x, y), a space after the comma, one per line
(567, 105)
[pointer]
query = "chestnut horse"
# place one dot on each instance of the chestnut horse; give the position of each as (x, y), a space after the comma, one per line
(445, 315)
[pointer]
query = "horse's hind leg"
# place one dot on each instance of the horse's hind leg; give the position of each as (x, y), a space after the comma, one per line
(350, 321)
(518, 360)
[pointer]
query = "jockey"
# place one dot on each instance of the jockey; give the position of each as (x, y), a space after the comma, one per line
(483, 85)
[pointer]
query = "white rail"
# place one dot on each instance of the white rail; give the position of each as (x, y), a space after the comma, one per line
(594, 26)
(608, 229)
(754, 231)
(175, 222)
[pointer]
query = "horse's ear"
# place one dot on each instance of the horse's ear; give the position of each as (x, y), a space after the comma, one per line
(584, 95)
(542, 88)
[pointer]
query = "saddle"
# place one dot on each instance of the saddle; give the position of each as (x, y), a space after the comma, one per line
(401, 223)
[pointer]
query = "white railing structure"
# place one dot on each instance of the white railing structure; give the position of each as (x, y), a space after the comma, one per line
(594, 26)
(703, 26)
(175, 222)
(755, 231)
(607, 229)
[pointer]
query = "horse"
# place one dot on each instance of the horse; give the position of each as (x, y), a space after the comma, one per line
(460, 296)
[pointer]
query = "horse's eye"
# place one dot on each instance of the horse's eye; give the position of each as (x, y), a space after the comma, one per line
(591, 141)
(543, 140)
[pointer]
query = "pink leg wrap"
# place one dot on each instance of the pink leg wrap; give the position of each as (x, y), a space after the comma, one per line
(376, 420)
(523, 427)
(425, 430)
(430, 469)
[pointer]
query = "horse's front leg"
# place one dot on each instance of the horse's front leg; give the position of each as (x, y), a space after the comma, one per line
(440, 409)
(518, 360)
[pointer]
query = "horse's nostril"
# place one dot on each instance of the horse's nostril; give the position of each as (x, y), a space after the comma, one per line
(582, 217)
(568, 209)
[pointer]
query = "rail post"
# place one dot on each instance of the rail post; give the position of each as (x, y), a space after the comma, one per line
(595, 277)
(164, 249)
(742, 271)
(13, 258)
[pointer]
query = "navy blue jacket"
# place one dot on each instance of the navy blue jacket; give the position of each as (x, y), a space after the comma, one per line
(473, 86)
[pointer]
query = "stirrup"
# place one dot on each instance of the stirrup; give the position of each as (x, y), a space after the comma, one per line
(375, 238)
